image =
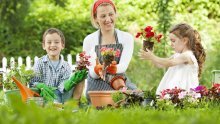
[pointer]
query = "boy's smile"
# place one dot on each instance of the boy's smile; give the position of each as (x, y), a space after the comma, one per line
(53, 45)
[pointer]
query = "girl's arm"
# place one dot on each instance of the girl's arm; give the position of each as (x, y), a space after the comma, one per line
(164, 62)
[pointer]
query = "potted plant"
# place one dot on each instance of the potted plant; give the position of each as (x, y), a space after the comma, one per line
(81, 64)
(22, 74)
(101, 98)
(149, 37)
(149, 96)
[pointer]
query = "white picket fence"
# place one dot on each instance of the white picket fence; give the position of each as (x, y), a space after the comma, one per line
(7, 64)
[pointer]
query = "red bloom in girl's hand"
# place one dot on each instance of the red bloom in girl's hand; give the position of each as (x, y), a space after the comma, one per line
(158, 37)
(138, 34)
(149, 35)
(148, 29)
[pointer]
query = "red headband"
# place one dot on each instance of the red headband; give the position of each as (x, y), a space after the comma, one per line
(99, 2)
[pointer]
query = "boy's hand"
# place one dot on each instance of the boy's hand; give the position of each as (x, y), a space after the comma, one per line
(112, 68)
(77, 77)
(46, 92)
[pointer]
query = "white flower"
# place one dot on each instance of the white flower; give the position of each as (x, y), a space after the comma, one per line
(167, 96)
(181, 95)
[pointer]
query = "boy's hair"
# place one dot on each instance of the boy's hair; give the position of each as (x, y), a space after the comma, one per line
(184, 30)
(54, 30)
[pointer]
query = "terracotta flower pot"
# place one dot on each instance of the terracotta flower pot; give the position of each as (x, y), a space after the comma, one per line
(78, 90)
(148, 44)
(101, 98)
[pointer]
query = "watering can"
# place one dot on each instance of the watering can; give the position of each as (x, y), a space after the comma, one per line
(24, 91)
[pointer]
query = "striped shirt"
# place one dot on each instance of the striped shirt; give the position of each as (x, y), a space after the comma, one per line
(51, 76)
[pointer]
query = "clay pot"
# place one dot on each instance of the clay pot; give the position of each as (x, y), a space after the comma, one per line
(78, 90)
(118, 85)
(148, 44)
(101, 98)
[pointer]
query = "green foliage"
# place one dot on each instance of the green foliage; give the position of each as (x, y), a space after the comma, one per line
(19, 112)
(21, 73)
(23, 22)
(150, 93)
(117, 96)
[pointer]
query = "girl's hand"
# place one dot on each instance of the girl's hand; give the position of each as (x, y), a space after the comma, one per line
(145, 55)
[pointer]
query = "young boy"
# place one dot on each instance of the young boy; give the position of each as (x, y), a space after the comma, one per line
(51, 70)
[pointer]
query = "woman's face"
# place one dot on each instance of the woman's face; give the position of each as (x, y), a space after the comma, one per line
(177, 43)
(106, 17)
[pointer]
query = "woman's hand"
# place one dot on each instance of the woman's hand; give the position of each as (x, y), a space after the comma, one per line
(145, 55)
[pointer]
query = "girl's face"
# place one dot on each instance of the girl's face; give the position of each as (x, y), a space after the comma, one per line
(106, 17)
(177, 43)
(53, 45)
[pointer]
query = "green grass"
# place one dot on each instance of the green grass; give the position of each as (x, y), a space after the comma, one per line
(18, 112)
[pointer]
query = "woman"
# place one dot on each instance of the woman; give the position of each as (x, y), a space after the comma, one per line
(103, 17)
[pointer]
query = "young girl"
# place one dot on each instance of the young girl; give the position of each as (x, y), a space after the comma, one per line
(185, 65)
(103, 17)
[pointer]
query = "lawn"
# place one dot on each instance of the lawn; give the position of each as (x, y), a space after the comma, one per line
(20, 113)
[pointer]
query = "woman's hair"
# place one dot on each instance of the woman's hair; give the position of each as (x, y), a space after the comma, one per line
(54, 30)
(183, 30)
(95, 5)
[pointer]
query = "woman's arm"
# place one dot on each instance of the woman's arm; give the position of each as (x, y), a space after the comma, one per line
(126, 55)
(89, 48)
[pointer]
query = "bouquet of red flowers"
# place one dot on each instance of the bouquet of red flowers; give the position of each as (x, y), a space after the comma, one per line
(149, 37)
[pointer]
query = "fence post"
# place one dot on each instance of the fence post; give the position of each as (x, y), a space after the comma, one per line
(28, 62)
(35, 59)
(20, 61)
(12, 62)
(4, 67)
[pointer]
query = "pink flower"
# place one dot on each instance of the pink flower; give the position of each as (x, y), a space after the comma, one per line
(110, 51)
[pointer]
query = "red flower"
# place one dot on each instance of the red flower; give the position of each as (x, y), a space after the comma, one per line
(158, 37)
(83, 61)
(149, 35)
(148, 29)
(138, 34)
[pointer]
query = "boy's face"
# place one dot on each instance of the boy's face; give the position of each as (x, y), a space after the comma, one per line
(53, 45)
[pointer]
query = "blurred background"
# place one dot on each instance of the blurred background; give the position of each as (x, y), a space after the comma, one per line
(22, 23)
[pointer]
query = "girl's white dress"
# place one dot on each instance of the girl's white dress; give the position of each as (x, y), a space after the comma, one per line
(183, 76)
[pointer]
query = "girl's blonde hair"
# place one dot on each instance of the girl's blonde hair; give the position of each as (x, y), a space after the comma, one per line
(94, 14)
(184, 30)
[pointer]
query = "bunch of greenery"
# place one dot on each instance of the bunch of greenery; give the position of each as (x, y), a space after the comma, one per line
(117, 96)
(21, 73)
(150, 93)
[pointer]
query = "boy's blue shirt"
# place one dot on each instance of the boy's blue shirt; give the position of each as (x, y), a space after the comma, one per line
(46, 73)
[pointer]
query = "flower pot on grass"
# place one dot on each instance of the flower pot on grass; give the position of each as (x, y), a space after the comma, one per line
(101, 98)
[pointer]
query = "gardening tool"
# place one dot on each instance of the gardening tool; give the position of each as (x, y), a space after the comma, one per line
(24, 91)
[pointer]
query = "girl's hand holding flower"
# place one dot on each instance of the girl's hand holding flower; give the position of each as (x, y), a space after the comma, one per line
(145, 54)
